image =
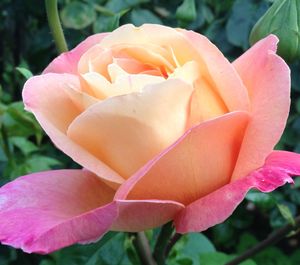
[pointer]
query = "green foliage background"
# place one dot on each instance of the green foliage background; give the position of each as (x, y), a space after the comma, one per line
(26, 43)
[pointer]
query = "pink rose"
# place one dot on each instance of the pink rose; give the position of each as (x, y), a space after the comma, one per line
(165, 128)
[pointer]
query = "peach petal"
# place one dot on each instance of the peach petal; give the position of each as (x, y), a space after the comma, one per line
(208, 211)
(53, 107)
(267, 78)
(221, 74)
(67, 62)
(192, 167)
(158, 114)
(146, 55)
(132, 66)
(206, 104)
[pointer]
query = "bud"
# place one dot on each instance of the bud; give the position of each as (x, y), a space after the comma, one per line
(281, 19)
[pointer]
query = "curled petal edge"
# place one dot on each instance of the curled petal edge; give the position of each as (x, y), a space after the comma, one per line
(220, 204)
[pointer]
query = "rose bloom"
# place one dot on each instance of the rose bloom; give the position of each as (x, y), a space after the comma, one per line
(165, 128)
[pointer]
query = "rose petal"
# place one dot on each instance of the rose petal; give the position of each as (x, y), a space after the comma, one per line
(193, 166)
(46, 211)
(124, 84)
(46, 97)
(140, 215)
(158, 114)
(267, 78)
(288, 161)
(219, 73)
(96, 59)
(67, 61)
(217, 206)
(132, 66)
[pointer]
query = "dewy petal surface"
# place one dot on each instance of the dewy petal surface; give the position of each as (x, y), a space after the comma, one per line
(217, 206)
(54, 108)
(269, 91)
(67, 62)
(46, 211)
(192, 167)
(136, 126)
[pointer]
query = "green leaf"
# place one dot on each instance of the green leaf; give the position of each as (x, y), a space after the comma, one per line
(20, 122)
(106, 23)
(92, 254)
(78, 15)
(23, 144)
(140, 16)
(286, 213)
(243, 16)
(218, 258)
(277, 219)
(25, 72)
(246, 241)
(189, 247)
(272, 256)
(186, 11)
(40, 163)
(47, 262)
(112, 253)
(262, 200)
(119, 5)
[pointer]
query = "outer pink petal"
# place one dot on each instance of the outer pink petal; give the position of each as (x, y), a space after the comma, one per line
(267, 78)
(140, 215)
(46, 211)
(43, 212)
(192, 167)
(219, 205)
(55, 104)
(67, 62)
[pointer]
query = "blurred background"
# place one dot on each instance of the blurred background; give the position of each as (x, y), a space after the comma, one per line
(26, 47)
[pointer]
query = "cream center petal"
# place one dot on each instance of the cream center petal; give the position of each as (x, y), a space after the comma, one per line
(132, 66)
(148, 54)
(96, 59)
(189, 72)
(127, 131)
(124, 84)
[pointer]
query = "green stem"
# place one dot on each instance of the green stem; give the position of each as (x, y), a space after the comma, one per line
(162, 242)
(55, 26)
(272, 239)
(143, 249)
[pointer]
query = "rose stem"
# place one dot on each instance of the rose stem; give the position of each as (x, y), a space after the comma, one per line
(55, 26)
(162, 242)
(273, 238)
(172, 242)
(143, 249)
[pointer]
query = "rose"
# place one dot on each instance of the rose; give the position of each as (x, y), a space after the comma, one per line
(165, 128)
